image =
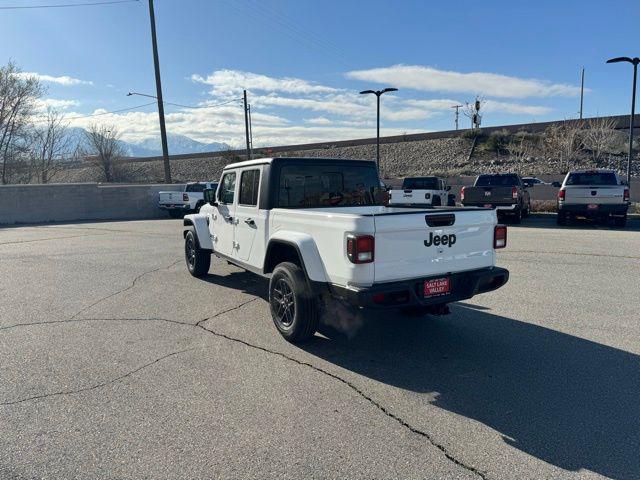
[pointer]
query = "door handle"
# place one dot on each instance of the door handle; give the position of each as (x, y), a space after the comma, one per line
(250, 222)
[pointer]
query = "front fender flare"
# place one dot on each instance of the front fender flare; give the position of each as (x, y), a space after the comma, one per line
(307, 250)
(199, 223)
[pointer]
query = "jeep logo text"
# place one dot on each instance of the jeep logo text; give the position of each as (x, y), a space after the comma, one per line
(436, 240)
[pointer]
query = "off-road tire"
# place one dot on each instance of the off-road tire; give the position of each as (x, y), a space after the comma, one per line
(295, 309)
(198, 260)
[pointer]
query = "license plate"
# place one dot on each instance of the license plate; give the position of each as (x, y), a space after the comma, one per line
(437, 287)
(592, 206)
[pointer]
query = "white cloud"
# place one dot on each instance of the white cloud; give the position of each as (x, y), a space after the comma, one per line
(318, 121)
(63, 80)
(515, 108)
(232, 82)
(489, 105)
(429, 79)
(58, 104)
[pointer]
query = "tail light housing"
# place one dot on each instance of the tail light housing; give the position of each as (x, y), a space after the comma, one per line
(361, 248)
(626, 195)
(561, 194)
(514, 192)
(185, 197)
(500, 236)
(462, 194)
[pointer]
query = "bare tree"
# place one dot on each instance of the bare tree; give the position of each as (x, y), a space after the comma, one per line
(600, 137)
(18, 95)
(563, 142)
(105, 149)
(50, 144)
(521, 146)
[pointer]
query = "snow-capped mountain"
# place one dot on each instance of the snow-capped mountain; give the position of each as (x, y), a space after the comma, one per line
(152, 147)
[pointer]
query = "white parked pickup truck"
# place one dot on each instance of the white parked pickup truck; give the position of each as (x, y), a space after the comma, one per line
(189, 200)
(597, 194)
(422, 191)
(318, 229)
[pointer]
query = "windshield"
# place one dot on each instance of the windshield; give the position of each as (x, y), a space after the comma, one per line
(592, 178)
(497, 181)
(424, 183)
(311, 186)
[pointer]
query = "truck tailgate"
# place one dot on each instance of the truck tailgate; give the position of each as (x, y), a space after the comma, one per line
(489, 195)
(602, 195)
(408, 197)
(423, 244)
(171, 198)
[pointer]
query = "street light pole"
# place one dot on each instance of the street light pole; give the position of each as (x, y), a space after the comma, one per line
(634, 61)
(156, 65)
(378, 93)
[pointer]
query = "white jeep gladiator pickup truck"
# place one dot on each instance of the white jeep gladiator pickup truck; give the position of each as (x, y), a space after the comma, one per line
(597, 194)
(318, 229)
(422, 191)
(190, 200)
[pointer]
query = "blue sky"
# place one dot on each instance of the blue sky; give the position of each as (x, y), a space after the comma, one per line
(304, 61)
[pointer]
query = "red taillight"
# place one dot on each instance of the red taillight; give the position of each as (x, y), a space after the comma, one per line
(462, 194)
(514, 192)
(500, 236)
(627, 196)
(360, 248)
(185, 197)
(561, 194)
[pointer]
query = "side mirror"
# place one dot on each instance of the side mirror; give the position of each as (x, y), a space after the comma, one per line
(210, 196)
(448, 187)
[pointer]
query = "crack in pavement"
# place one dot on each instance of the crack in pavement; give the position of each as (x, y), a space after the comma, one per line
(93, 387)
(133, 284)
(200, 322)
(52, 238)
(377, 405)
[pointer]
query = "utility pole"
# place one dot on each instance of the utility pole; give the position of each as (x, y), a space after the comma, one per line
(457, 107)
(156, 64)
(581, 92)
(250, 132)
(246, 124)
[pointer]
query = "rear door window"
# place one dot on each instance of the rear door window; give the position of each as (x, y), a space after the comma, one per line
(249, 183)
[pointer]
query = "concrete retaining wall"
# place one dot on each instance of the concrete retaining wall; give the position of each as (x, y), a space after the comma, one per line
(84, 201)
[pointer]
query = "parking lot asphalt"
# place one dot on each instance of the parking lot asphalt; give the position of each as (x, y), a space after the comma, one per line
(116, 363)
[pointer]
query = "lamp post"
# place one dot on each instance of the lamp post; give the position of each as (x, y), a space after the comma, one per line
(633, 61)
(377, 93)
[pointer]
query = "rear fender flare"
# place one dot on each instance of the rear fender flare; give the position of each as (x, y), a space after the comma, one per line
(307, 250)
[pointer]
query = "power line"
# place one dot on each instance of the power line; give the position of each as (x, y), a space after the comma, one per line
(112, 111)
(65, 5)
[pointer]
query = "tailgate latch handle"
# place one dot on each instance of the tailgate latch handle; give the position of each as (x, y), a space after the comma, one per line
(440, 220)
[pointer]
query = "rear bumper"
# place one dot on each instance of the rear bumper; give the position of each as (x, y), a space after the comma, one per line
(601, 210)
(464, 285)
(505, 208)
(179, 206)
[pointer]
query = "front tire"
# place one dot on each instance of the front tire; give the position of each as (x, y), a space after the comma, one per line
(294, 308)
(198, 260)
